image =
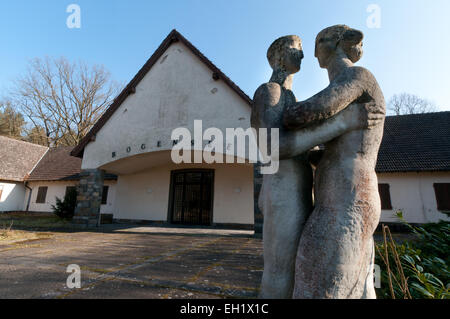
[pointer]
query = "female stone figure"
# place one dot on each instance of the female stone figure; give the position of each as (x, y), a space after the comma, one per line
(336, 251)
(286, 197)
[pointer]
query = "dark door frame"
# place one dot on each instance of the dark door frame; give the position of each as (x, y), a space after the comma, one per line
(172, 189)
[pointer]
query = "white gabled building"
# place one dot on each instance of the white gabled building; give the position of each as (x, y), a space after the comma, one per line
(17, 160)
(132, 140)
(413, 167)
(123, 166)
(55, 173)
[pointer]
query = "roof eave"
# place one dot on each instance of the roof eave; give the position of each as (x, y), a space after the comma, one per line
(11, 179)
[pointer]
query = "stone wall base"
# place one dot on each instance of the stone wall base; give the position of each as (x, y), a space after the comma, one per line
(89, 198)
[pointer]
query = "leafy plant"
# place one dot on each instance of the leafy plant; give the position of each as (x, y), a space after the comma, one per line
(418, 268)
(66, 208)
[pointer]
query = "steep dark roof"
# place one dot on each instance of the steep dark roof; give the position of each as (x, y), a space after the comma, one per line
(59, 165)
(416, 142)
(18, 158)
(173, 36)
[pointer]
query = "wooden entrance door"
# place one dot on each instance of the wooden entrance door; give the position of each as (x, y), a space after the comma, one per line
(191, 197)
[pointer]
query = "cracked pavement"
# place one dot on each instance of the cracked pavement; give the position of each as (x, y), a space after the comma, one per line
(135, 262)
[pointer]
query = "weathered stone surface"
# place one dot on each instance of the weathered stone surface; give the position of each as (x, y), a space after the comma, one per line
(335, 253)
(283, 219)
(89, 198)
(285, 197)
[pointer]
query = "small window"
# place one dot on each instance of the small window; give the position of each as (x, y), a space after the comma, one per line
(385, 196)
(70, 189)
(105, 195)
(442, 193)
(41, 195)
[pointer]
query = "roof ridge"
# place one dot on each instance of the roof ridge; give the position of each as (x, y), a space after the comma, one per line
(35, 165)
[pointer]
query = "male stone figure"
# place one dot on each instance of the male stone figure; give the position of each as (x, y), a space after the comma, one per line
(286, 197)
(336, 250)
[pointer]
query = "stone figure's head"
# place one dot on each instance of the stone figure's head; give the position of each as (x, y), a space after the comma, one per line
(338, 37)
(286, 54)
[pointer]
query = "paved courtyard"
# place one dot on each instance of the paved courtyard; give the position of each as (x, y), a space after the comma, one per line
(135, 262)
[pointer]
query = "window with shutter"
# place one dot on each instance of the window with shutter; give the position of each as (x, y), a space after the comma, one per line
(442, 193)
(385, 196)
(41, 195)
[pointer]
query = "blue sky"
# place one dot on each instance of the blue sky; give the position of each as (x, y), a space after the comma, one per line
(408, 53)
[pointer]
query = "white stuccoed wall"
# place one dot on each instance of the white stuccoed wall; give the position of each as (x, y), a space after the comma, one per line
(58, 189)
(413, 193)
(145, 195)
(12, 196)
(175, 92)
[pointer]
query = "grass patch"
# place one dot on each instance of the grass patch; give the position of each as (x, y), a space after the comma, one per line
(6, 232)
(8, 235)
(23, 227)
(32, 221)
(14, 236)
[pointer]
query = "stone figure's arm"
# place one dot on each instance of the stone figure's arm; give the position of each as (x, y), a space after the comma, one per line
(342, 91)
(266, 98)
(354, 117)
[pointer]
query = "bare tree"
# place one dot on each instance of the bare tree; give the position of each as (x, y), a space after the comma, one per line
(63, 99)
(409, 104)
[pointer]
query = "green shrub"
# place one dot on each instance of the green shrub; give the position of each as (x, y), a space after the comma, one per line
(66, 208)
(418, 268)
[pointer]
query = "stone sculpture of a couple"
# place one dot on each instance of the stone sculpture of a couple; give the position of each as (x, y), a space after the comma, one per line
(321, 245)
